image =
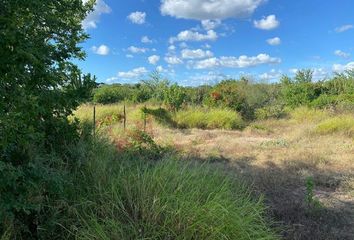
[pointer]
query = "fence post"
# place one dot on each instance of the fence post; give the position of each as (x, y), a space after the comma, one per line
(94, 121)
(145, 118)
(125, 117)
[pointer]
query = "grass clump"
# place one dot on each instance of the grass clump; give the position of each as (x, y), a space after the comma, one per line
(342, 124)
(209, 119)
(171, 200)
(308, 115)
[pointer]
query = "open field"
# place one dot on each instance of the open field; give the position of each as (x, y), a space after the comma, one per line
(305, 173)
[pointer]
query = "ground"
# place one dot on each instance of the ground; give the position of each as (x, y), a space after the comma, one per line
(277, 163)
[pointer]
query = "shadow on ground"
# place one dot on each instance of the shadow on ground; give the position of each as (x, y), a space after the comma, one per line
(284, 189)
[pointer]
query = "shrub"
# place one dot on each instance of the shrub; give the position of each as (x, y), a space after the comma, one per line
(339, 102)
(300, 90)
(208, 119)
(40, 86)
(271, 111)
(109, 94)
(342, 124)
(174, 97)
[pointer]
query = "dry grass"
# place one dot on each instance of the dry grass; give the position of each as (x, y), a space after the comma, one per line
(276, 157)
(277, 163)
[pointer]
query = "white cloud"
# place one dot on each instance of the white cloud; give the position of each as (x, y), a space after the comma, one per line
(342, 54)
(153, 59)
(274, 41)
(271, 75)
(209, 9)
(195, 54)
(134, 49)
(101, 50)
(172, 48)
(317, 73)
(173, 60)
(146, 39)
(210, 24)
(135, 73)
(344, 28)
(267, 23)
(189, 35)
(137, 17)
(160, 69)
(129, 56)
(341, 68)
(236, 62)
(93, 17)
(206, 78)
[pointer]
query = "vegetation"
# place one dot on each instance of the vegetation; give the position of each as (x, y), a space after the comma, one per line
(58, 180)
(209, 119)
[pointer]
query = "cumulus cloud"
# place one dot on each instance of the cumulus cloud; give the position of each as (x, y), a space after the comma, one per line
(267, 23)
(271, 75)
(209, 9)
(205, 78)
(210, 24)
(342, 54)
(134, 49)
(101, 50)
(137, 17)
(317, 73)
(274, 41)
(341, 68)
(94, 17)
(190, 35)
(236, 62)
(146, 39)
(135, 73)
(153, 59)
(344, 28)
(195, 54)
(173, 60)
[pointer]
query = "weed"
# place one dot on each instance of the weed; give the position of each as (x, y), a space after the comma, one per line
(311, 200)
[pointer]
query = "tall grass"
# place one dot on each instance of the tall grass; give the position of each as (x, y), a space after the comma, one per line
(343, 124)
(308, 115)
(167, 200)
(209, 119)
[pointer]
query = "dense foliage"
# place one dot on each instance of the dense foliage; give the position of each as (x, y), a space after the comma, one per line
(39, 89)
(251, 99)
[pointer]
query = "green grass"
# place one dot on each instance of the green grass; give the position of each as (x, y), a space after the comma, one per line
(308, 115)
(343, 124)
(127, 195)
(208, 119)
(130, 199)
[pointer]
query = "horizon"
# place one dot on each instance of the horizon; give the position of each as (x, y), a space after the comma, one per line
(193, 45)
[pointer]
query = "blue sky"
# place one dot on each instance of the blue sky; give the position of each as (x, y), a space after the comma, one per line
(195, 42)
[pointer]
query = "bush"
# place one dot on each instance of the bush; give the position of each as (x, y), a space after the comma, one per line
(339, 102)
(209, 119)
(110, 94)
(271, 111)
(174, 97)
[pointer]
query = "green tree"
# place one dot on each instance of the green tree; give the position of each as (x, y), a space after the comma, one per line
(174, 97)
(39, 88)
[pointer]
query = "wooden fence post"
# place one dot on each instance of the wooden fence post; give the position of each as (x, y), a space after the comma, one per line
(125, 117)
(94, 121)
(145, 118)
